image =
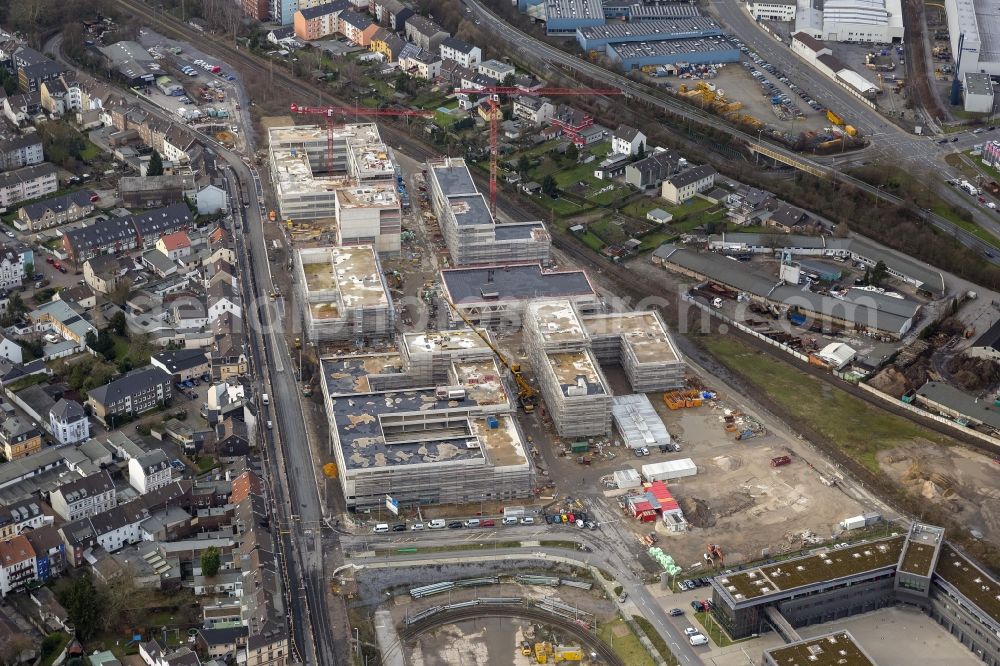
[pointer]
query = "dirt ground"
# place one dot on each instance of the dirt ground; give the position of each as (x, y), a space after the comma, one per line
(962, 480)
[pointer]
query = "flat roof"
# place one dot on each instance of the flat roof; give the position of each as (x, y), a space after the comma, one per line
(672, 27)
(772, 579)
(974, 584)
(470, 210)
(557, 321)
(453, 178)
(666, 47)
(370, 155)
(440, 341)
(513, 282)
(350, 375)
(836, 649)
(343, 277)
(518, 230)
(577, 373)
(921, 544)
(294, 175)
(637, 421)
(643, 331)
(977, 83)
(639, 12)
(371, 196)
(573, 9)
(414, 426)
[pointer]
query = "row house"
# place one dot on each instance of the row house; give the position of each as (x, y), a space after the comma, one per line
(50, 552)
(357, 27)
(115, 235)
(19, 438)
(21, 151)
(20, 108)
(391, 13)
(61, 96)
(425, 33)
(27, 183)
(229, 356)
(23, 516)
(388, 43)
(55, 211)
(149, 472)
(84, 496)
(34, 69)
(312, 23)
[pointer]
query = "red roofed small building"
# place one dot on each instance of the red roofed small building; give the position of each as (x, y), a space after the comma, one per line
(176, 245)
(17, 564)
(246, 484)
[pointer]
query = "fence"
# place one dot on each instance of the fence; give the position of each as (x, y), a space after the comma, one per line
(746, 329)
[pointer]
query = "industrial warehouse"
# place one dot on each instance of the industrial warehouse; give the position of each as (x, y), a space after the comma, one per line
(340, 175)
(431, 425)
(343, 294)
(468, 227)
(919, 569)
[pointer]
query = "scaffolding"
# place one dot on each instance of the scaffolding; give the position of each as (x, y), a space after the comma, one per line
(639, 341)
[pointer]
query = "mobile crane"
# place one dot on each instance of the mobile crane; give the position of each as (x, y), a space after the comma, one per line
(527, 396)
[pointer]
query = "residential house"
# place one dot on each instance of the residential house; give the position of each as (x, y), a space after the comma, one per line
(222, 299)
(496, 70)
(628, 141)
(422, 65)
(258, 10)
(50, 556)
(11, 268)
(60, 96)
(23, 516)
(152, 225)
(651, 171)
(389, 44)
(452, 73)
(10, 350)
(18, 438)
(29, 182)
(229, 356)
(232, 440)
(312, 23)
(59, 317)
(535, 110)
(17, 564)
(425, 33)
(174, 245)
(787, 218)
(137, 392)
(149, 472)
(84, 496)
(182, 364)
(104, 273)
(211, 200)
(20, 151)
(34, 68)
(392, 13)
(121, 234)
(178, 144)
(222, 642)
(356, 27)
(465, 54)
(55, 211)
(246, 484)
(19, 109)
(80, 295)
(68, 422)
(570, 122)
(682, 186)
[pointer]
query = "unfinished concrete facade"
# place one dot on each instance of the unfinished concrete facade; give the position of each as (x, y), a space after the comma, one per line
(343, 294)
(468, 227)
(639, 341)
(344, 174)
(572, 384)
(424, 442)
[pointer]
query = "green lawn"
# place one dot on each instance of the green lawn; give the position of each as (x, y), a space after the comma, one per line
(641, 206)
(656, 639)
(64, 639)
(689, 207)
(655, 240)
(625, 645)
(948, 213)
(591, 241)
(599, 150)
(711, 629)
(90, 151)
(560, 206)
(698, 219)
(861, 430)
(205, 463)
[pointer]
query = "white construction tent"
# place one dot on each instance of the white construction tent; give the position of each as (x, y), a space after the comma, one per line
(669, 469)
(627, 478)
(637, 422)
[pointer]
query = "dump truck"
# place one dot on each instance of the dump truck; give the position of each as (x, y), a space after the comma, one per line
(834, 118)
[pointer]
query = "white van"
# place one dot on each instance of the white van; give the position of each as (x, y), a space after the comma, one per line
(472, 522)
(697, 639)
(264, 399)
(437, 524)
(381, 528)
(510, 520)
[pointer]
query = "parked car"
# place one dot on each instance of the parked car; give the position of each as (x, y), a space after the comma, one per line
(674, 612)
(489, 522)
(527, 520)
(415, 527)
(622, 597)
(455, 525)
(696, 605)
(436, 524)
(690, 631)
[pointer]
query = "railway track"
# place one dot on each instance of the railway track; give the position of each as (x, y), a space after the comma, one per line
(448, 617)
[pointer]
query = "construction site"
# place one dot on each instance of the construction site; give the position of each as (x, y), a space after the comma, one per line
(343, 294)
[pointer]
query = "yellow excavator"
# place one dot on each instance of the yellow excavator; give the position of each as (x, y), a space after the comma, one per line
(527, 396)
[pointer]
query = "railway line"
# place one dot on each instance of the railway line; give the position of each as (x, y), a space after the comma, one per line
(592, 642)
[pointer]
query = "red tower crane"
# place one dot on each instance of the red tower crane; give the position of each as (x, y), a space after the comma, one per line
(332, 113)
(494, 92)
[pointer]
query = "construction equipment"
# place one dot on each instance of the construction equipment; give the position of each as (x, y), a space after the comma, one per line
(525, 648)
(493, 100)
(307, 390)
(330, 113)
(834, 118)
(715, 554)
(527, 395)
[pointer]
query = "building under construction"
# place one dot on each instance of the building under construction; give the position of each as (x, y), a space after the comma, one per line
(432, 425)
(496, 296)
(639, 341)
(312, 165)
(574, 388)
(343, 294)
(468, 227)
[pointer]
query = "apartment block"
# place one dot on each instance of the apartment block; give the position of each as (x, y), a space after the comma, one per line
(575, 390)
(468, 227)
(84, 496)
(26, 183)
(343, 294)
(21, 151)
(369, 215)
(641, 344)
(136, 392)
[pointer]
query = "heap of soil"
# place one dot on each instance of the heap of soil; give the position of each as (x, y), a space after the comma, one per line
(696, 512)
